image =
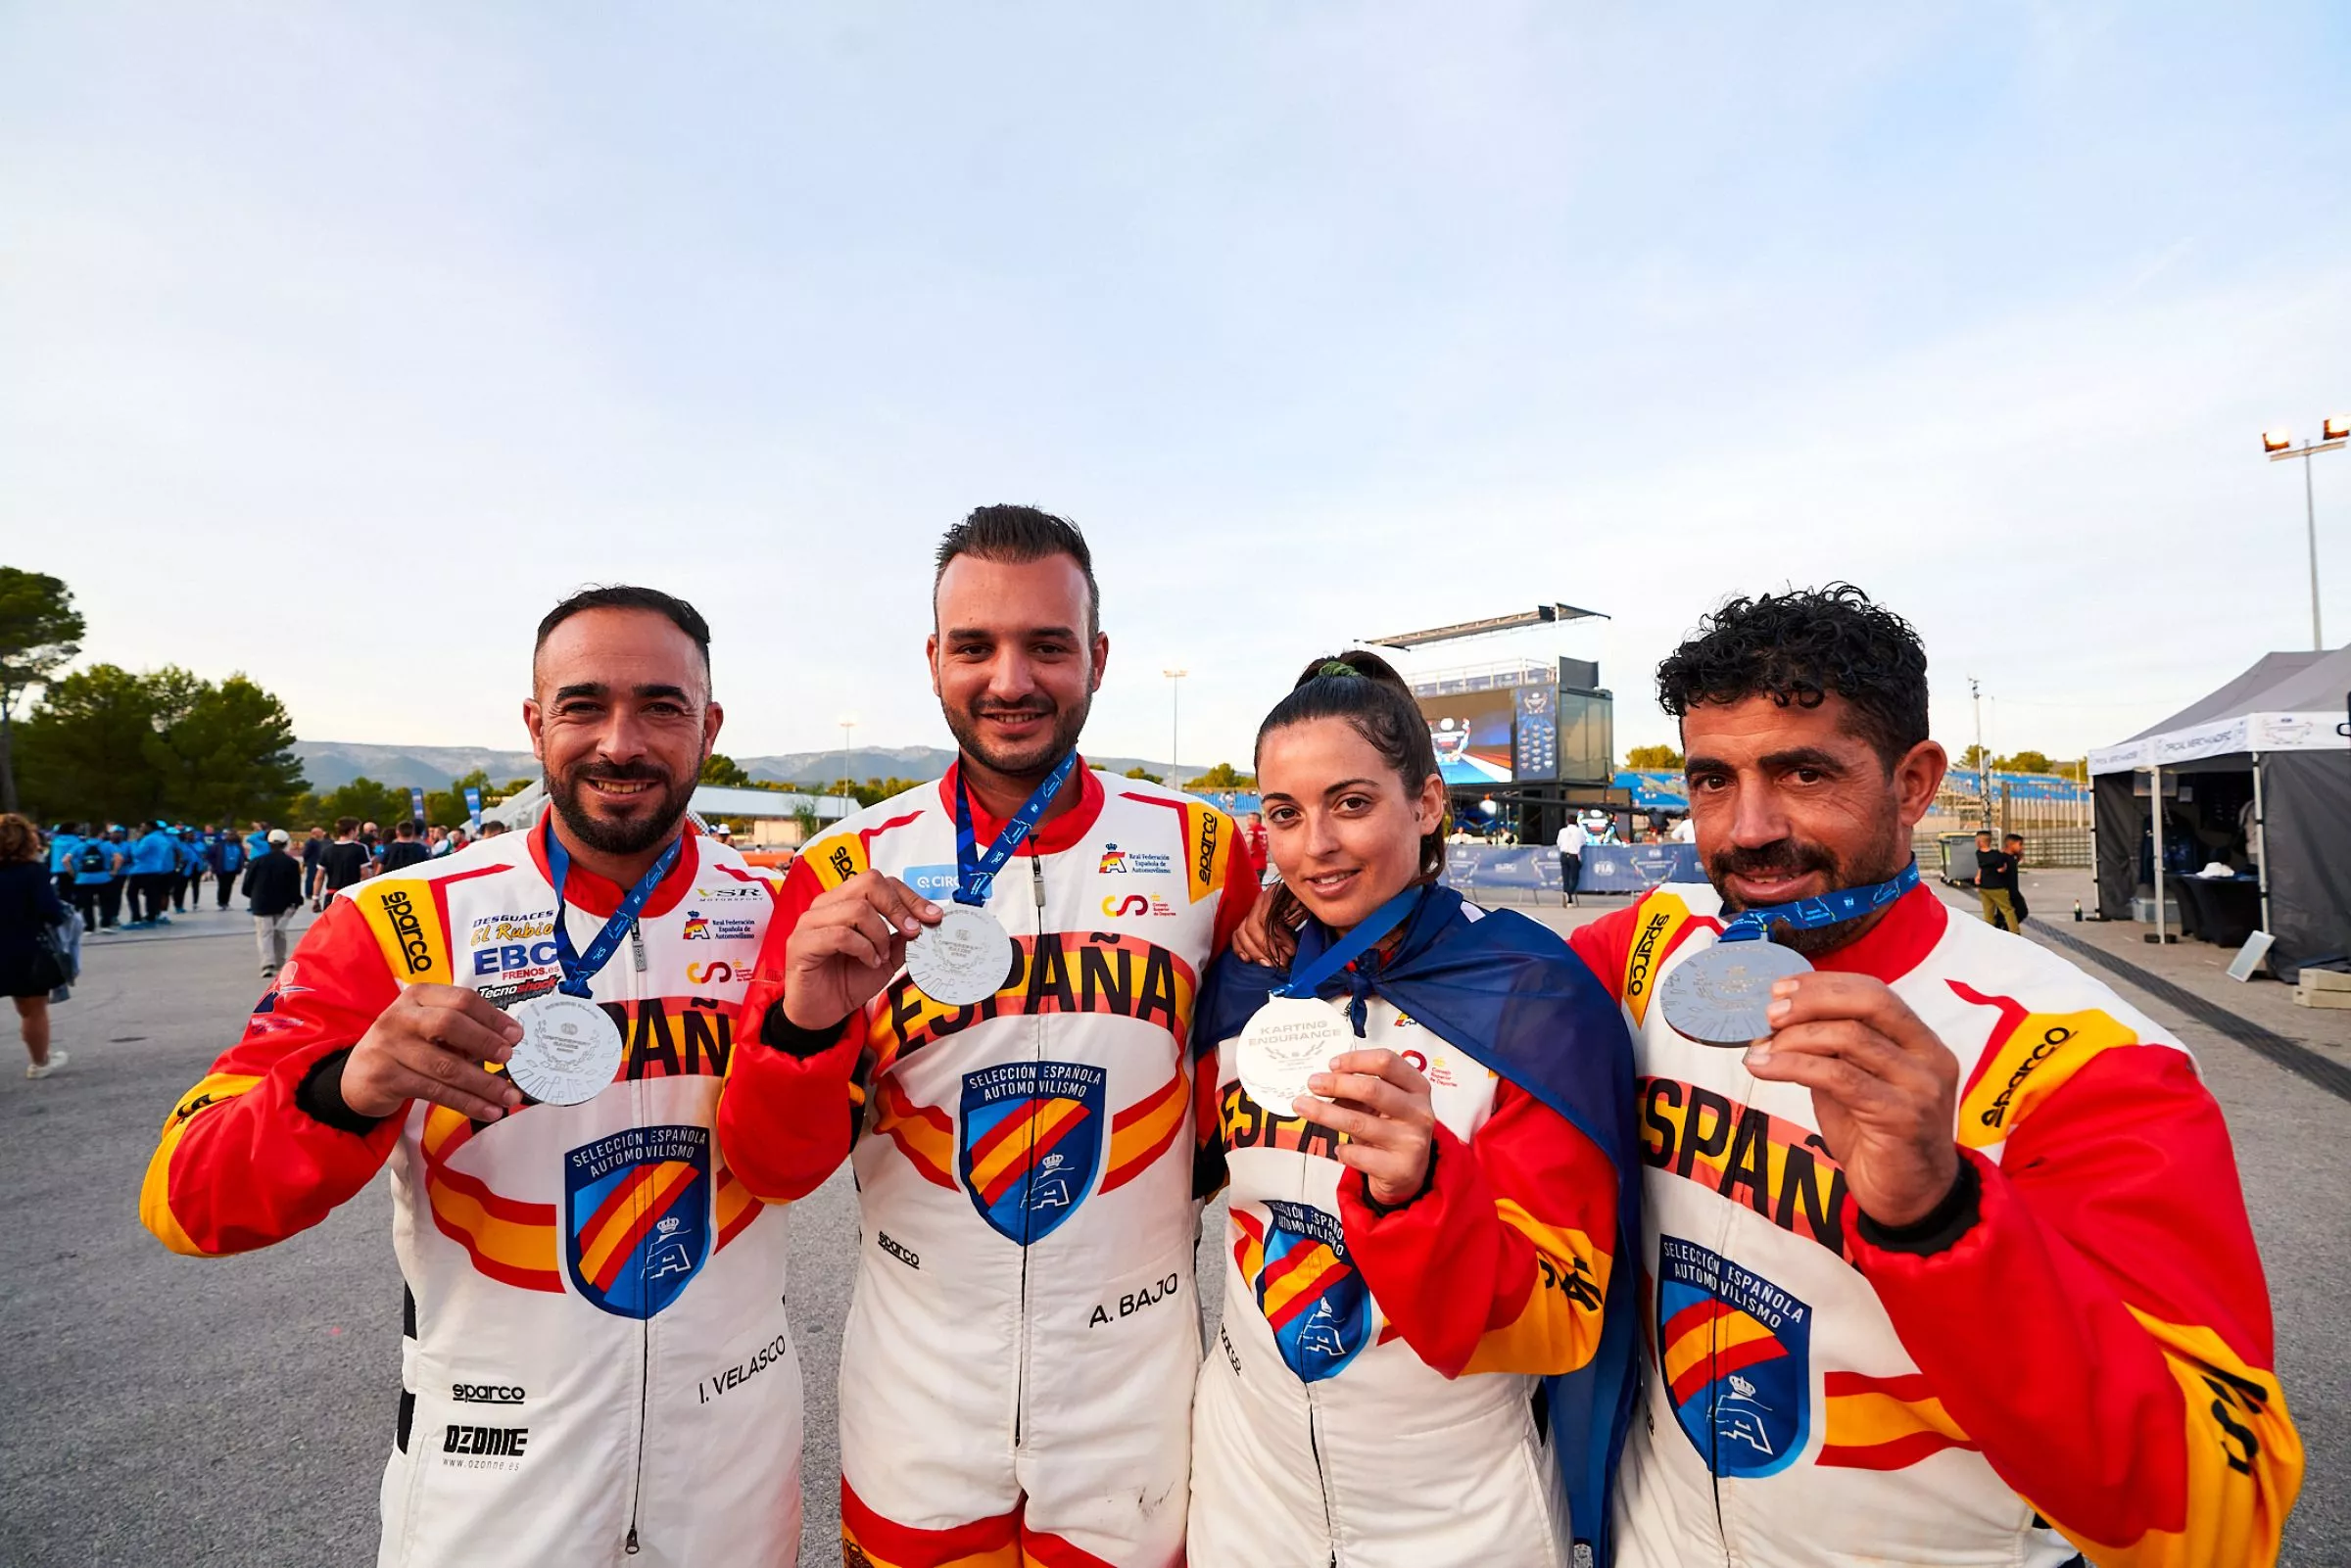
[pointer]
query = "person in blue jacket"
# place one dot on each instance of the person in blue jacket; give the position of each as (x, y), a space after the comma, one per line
(65, 845)
(89, 873)
(257, 843)
(187, 867)
(154, 862)
(225, 861)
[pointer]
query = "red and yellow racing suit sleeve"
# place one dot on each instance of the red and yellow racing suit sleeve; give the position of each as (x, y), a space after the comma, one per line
(2089, 1311)
(788, 1107)
(1495, 1267)
(249, 1156)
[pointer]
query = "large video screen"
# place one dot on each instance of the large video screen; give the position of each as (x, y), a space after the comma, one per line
(1471, 732)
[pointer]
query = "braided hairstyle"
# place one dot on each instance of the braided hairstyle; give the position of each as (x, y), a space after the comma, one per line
(1364, 689)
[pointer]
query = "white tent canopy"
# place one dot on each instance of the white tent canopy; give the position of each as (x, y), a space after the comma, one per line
(2286, 702)
(2283, 726)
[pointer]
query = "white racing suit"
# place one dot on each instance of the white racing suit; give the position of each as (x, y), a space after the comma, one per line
(597, 1367)
(1371, 1398)
(2072, 1356)
(1021, 1346)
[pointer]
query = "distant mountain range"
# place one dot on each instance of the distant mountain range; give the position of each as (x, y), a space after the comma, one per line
(330, 764)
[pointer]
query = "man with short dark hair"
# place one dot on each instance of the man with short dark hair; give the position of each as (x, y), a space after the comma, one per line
(343, 863)
(596, 1364)
(2013, 846)
(313, 879)
(1947, 1259)
(404, 850)
(1996, 876)
(1021, 1344)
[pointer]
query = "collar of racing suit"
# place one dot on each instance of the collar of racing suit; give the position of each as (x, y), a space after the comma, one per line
(592, 894)
(1896, 944)
(1055, 833)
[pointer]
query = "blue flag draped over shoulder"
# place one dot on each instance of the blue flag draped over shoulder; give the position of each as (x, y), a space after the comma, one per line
(1510, 994)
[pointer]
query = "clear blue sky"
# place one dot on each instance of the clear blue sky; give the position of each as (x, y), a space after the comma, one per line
(337, 342)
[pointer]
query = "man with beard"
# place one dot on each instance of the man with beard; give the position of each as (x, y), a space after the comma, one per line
(1945, 1255)
(1015, 1374)
(533, 1033)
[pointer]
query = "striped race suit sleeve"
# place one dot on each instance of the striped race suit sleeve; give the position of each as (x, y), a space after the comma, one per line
(788, 1106)
(1496, 1266)
(2094, 1321)
(2101, 1331)
(242, 1162)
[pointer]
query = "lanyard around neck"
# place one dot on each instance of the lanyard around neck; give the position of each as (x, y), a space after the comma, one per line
(1829, 909)
(1374, 927)
(581, 968)
(975, 870)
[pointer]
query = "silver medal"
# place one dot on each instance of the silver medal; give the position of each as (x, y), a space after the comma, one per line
(1721, 995)
(569, 1050)
(965, 958)
(1286, 1042)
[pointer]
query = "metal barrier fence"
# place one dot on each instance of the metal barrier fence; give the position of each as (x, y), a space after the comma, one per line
(2046, 848)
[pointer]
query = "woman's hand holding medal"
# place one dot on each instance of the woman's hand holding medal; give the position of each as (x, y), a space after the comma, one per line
(1381, 1103)
(430, 1044)
(1885, 1090)
(848, 945)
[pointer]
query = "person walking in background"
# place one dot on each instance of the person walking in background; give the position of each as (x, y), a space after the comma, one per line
(2013, 846)
(118, 879)
(152, 858)
(187, 871)
(227, 863)
(1994, 874)
(257, 843)
(343, 863)
(64, 853)
(313, 880)
(274, 892)
(1572, 839)
(30, 964)
(1253, 840)
(405, 849)
(93, 873)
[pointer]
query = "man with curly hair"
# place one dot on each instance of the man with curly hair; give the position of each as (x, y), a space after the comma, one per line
(1950, 1263)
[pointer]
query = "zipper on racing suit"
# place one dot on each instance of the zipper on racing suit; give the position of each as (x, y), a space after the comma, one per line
(644, 1325)
(1020, 1371)
(1314, 1415)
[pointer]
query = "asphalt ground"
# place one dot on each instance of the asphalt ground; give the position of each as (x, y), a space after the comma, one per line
(162, 1409)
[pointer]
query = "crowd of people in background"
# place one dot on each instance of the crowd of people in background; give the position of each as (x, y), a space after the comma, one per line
(86, 878)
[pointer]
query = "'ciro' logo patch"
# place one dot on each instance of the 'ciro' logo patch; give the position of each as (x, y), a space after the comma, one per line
(1735, 1350)
(1030, 1143)
(637, 1217)
(1318, 1305)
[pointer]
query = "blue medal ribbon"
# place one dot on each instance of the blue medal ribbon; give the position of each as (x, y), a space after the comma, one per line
(975, 871)
(1829, 909)
(581, 968)
(1374, 927)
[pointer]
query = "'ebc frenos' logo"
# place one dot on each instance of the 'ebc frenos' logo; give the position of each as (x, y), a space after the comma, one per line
(1030, 1143)
(1315, 1303)
(1736, 1354)
(637, 1217)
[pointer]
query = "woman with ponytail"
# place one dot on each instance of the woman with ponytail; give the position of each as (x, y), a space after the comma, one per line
(1427, 1351)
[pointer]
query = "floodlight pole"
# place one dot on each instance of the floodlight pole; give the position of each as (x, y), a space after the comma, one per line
(1174, 726)
(2310, 516)
(846, 724)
